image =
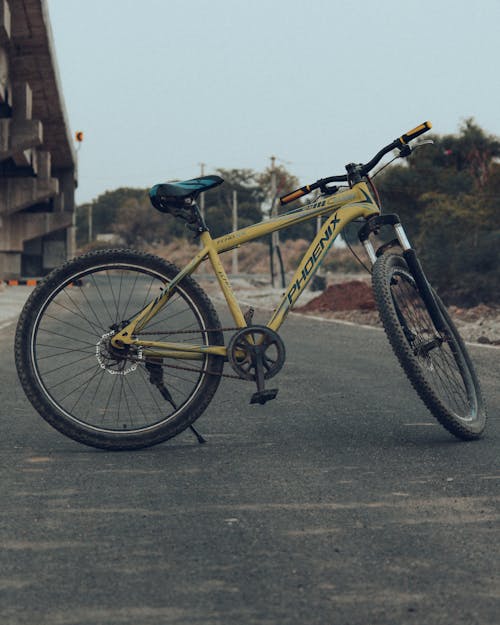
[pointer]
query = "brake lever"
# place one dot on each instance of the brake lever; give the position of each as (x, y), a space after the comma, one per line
(406, 150)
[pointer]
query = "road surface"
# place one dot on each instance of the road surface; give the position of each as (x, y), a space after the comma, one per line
(341, 502)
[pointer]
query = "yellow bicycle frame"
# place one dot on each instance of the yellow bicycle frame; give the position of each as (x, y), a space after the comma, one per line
(340, 209)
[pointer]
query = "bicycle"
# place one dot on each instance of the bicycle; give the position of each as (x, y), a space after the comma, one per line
(120, 349)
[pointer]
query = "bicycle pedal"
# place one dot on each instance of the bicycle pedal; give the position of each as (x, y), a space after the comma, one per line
(260, 397)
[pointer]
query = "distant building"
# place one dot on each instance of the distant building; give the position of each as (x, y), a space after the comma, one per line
(37, 157)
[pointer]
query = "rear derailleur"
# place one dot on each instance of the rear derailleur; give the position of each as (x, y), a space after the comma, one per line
(257, 353)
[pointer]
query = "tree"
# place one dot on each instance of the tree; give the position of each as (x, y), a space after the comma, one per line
(104, 212)
(447, 196)
(128, 213)
(219, 201)
(285, 182)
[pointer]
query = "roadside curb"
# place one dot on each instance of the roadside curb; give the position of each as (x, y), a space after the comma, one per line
(27, 282)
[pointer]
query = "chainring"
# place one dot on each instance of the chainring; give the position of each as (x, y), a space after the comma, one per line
(244, 345)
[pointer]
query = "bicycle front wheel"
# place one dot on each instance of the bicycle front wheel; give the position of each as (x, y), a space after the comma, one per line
(437, 365)
(97, 395)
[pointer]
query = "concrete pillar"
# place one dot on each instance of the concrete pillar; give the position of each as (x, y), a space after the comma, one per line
(5, 21)
(67, 194)
(36, 202)
(31, 260)
(4, 76)
(22, 100)
(10, 265)
(23, 227)
(54, 250)
(18, 135)
(19, 193)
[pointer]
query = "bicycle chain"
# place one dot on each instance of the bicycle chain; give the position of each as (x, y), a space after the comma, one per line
(158, 332)
(221, 375)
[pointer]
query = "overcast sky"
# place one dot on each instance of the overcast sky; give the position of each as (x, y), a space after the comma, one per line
(160, 86)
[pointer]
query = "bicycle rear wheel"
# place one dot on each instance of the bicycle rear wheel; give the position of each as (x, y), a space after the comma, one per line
(437, 365)
(94, 394)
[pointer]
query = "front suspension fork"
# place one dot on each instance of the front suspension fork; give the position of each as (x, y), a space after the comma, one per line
(373, 226)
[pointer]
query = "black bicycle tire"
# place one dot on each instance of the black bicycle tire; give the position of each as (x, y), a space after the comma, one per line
(459, 426)
(81, 432)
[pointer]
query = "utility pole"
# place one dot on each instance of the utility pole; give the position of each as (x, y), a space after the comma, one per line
(274, 205)
(273, 213)
(275, 236)
(89, 222)
(202, 198)
(235, 227)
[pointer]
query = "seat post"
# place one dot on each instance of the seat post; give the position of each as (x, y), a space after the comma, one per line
(198, 225)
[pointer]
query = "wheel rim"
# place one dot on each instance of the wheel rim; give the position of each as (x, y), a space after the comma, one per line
(440, 357)
(83, 378)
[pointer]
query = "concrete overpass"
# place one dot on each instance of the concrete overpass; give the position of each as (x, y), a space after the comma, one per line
(37, 157)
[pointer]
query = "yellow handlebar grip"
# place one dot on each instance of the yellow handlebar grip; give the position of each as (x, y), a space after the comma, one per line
(294, 195)
(416, 132)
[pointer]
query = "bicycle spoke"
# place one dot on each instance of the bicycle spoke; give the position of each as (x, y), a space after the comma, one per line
(84, 389)
(440, 364)
(131, 291)
(119, 297)
(71, 325)
(120, 395)
(65, 336)
(148, 294)
(63, 350)
(113, 296)
(109, 399)
(101, 297)
(148, 385)
(97, 372)
(87, 378)
(80, 315)
(179, 377)
(68, 364)
(92, 309)
(92, 401)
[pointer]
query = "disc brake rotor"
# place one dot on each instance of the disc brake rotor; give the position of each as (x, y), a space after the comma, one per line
(115, 362)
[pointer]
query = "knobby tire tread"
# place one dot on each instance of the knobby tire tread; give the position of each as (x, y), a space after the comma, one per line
(381, 277)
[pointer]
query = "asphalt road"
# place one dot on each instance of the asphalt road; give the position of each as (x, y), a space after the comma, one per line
(341, 502)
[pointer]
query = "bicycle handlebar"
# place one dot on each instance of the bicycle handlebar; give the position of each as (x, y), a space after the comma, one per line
(416, 132)
(400, 143)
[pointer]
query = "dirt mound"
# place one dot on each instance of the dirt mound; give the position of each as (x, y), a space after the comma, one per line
(353, 295)
(476, 313)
